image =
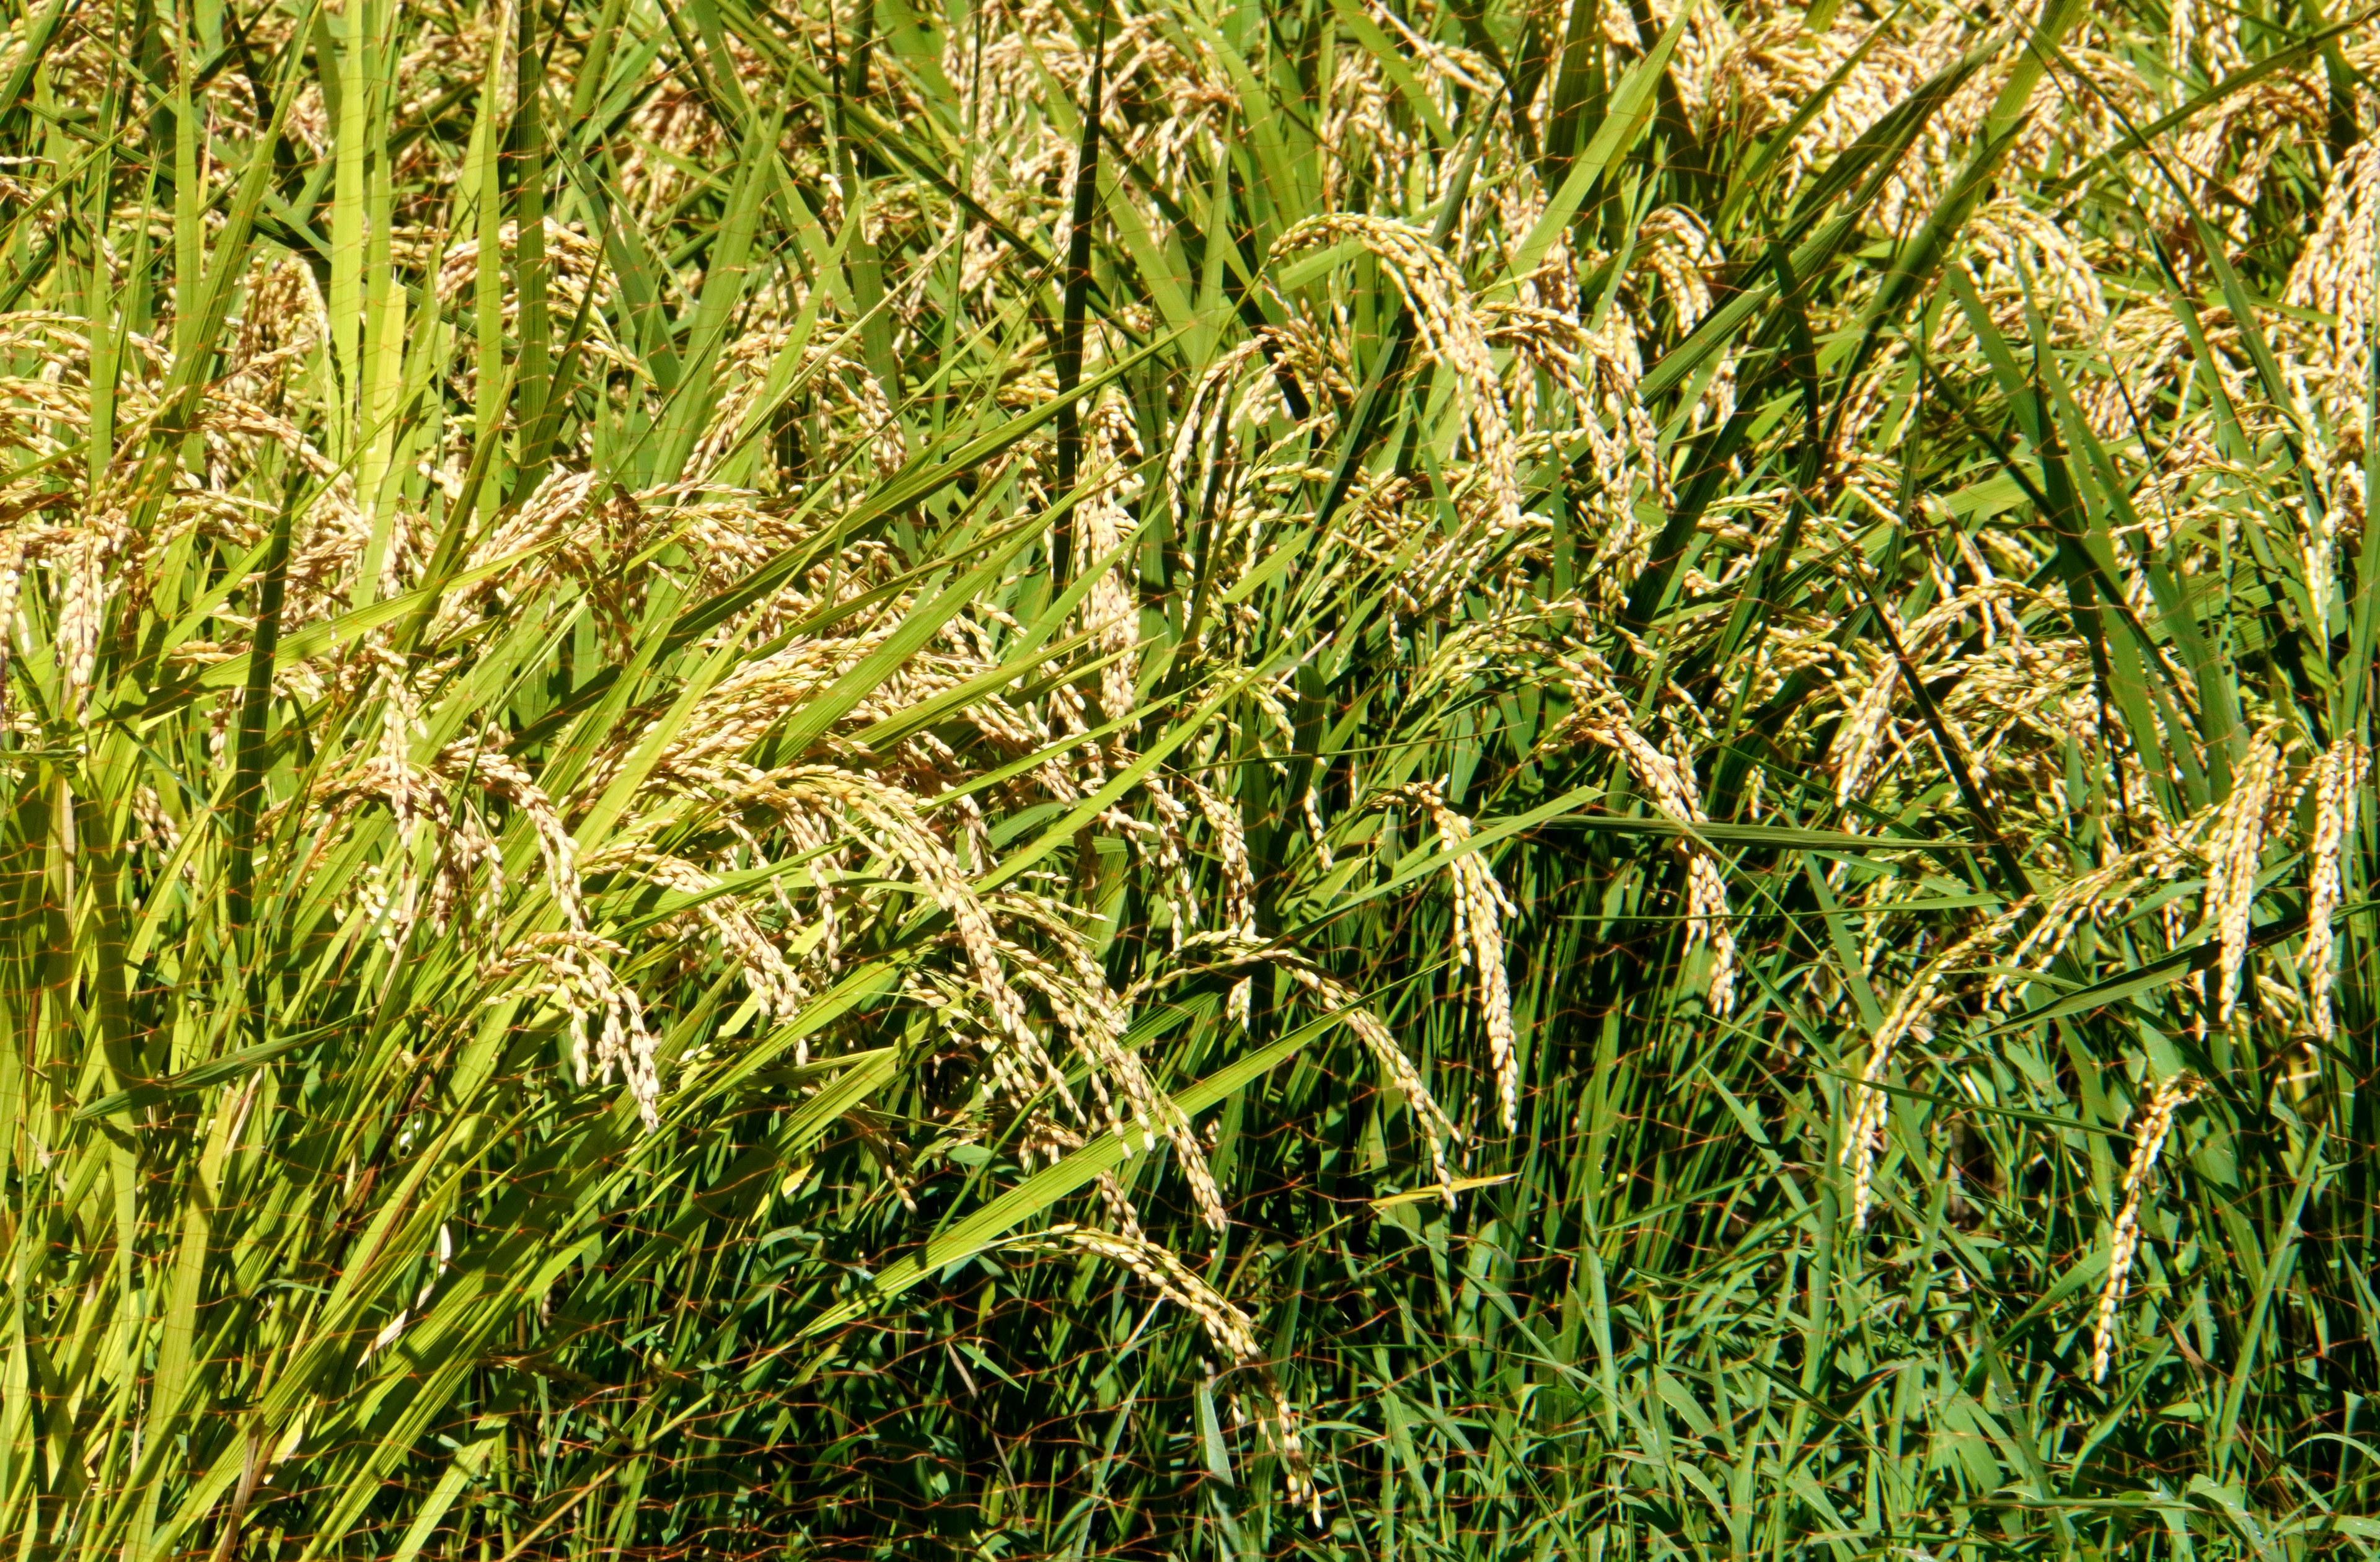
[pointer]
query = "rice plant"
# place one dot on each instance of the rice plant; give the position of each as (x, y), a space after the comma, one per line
(1341, 779)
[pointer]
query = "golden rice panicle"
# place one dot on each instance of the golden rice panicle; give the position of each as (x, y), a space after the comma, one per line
(1238, 951)
(776, 988)
(1095, 1017)
(573, 970)
(1113, 609)
(16, 544)
(2338, 784)
(1439, 1128)
(2235, 847)
(2338, 275)
(1862, 735)
(2149, 1131)
(484, 758)
(1238, 886)
(91, 579)
(1910, 1013)
(889, 817)
(1233, 1332)
(1451, 332)
(1480, 908)
(1672, 782)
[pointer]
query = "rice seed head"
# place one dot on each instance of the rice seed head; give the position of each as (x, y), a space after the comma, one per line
(1672, 782)
(1233, 1332)
(1480, 907)
(573, 970)
(2235, 847)
(1382, 1045)
(2337, 783)
(1912, 1013)
(1450, 331)
(2149, 1131)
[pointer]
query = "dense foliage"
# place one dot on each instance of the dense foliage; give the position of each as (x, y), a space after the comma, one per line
(1188, 777)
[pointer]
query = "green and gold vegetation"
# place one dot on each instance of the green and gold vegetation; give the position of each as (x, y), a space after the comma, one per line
(1188, 779)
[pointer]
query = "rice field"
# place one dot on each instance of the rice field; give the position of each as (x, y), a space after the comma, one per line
(1352, 779)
